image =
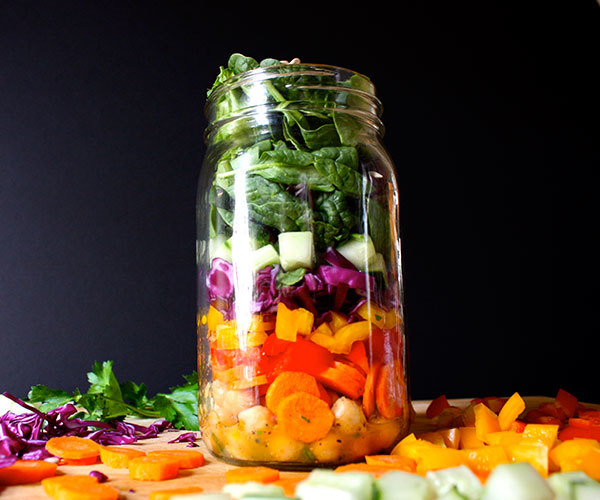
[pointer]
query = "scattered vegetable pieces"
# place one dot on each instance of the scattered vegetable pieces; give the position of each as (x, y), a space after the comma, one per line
(188, 459)
(73, 447)
(26, 471)
(118, 457)
(258, 474)
(153, 468)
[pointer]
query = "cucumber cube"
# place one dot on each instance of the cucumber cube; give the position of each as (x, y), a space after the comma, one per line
(324, 484)
(296, 249)
(399, 485)
(359, 250)
(453, 494)
(460, 478)
(263, 257)
(586, 491)
(517, 481)
(253, 489)
(220, 246)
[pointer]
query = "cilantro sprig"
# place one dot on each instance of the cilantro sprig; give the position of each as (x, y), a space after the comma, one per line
(108, 399)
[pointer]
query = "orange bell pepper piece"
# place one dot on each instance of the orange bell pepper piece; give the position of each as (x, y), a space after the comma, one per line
(229, 337)
(503, 438)
(510, 411)
(536, 454)
(433, 437)
(214, 318)
(451, 437)
(486, 421)
(435, 457)
(483, 460)
(291, 322)
(469, 439)
(546, 434)
(373, 313)
(578, 454)
(436, 406)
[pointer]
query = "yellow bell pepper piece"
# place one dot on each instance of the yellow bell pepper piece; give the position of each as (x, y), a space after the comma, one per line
(578, 454)
(228, 337)
(214, 318)
(536, 454)
(546, 434)
(434, 437)
(373, 313)
(503, 438)
(324, 329)
(338, 320)
(485, 421)
(511, 410)
(290, 323)
(469, 439)
(484, 459)
(342, 340)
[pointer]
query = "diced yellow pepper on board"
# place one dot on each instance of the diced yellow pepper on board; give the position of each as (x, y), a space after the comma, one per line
(511, 410)
(486, 421)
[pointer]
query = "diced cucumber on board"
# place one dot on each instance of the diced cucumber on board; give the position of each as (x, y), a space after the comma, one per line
(296, 249)
(564, 483)
(516, 481)
(263, 257)
(324, 484)
(461, 478)
(400, 485)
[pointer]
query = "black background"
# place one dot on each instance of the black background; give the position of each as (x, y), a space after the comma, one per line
(491, 112)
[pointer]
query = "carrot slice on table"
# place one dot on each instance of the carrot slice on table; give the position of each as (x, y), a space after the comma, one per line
(72, 447)
(368, 399)
(304, 417)
(188, 459)
(79, 461)
(289, 484)
(167, 494)
(83, 491)
(118, 457)
(389, 392)
(343, 379)
(52, 484)
(26, 471)
(153, 468)
(287, 383)
(258, 474)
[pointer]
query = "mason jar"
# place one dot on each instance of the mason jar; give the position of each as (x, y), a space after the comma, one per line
(301, 343)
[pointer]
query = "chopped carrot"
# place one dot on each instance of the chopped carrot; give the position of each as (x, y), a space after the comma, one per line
(188, 459)
(289, 483)
(304, 417)
(79, 461)
(358, 355)
(244, 474)
(85, 491)
(153, 468)
(118, 457)
(392, 461)
(287, 383)
(167, 494)
(51, 485)
(26, 471)
(72, 447)
(510, 411)
(344, 379)
(389, 392)
(368, 399)
(324, 395)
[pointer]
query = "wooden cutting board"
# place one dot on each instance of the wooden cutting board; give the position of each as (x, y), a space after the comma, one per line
(210, 477)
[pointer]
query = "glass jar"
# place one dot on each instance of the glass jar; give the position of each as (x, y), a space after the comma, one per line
(301, 349)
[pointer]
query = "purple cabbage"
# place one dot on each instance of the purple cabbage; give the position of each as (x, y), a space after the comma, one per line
(24, 436)
(187, 437)
(101, 478)
(219, 280)
(334, 275)
(336, 259)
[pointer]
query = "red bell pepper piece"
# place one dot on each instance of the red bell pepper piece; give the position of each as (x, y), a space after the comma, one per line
(437, 406)
(553, 409)
(572, 431)
(567, 402)
(494, 403)
(517, 426)
(589, 415)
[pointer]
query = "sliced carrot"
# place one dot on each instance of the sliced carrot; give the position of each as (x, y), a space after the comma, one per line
(79, 461)
(343, 379)
(72, 447)
(392, 461)
(26, 471)
(287, 383)
(167, 494)
(244, 474)
(85, 491)
(368, 399)
(389, 392)
(304, 417)
(324, 395)
(153, 468)
(118, 457)
(510, 411)
(52, 484)
(188, 459)
(358, 355)
(289, 483)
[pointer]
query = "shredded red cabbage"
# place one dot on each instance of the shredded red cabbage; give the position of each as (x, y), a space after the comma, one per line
(101, 478)
(333, 275)
(24, 436)
(336, 259)
(187, 437)
(219, 280)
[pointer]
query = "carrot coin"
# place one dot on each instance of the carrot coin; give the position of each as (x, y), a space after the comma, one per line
(304, 417)
(287, 383)
(188, 459)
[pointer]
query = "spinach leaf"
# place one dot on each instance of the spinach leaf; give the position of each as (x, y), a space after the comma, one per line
(335, 219)
(379, 227)
(339, 165)
(289, 278)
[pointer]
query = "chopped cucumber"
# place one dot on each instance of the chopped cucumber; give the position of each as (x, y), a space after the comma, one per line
(378, 269)
(323, 484)
(516, 481)
(263, 257)
(563, 483)
(452, 494)
(219, 246)
(253, 489)
(585, 491)
(399, 485)
(296, 249)
(460, 478)
(359, 250)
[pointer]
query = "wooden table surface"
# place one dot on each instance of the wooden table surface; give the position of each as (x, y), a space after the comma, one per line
(210, 477)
